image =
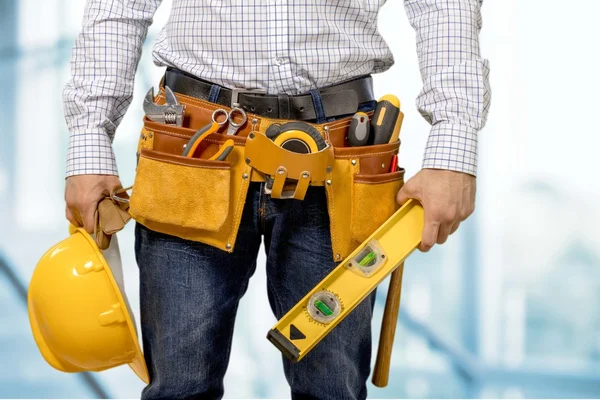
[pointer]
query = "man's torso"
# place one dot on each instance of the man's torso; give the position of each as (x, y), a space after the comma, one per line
(278, 45)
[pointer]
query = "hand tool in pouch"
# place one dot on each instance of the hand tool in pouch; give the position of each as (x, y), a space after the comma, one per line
(297, 137)
(359, 129)
(170, 113)
(234, 126)
(224, 151)
(190, 147)
(349, 283)
(387, 120)
(192, 144)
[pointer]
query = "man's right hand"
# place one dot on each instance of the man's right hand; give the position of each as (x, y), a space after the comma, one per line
(82, 195)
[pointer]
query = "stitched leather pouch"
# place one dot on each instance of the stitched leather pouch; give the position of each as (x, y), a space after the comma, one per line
(373, 202)
(361, 195)
(305, 169)
(177, 191)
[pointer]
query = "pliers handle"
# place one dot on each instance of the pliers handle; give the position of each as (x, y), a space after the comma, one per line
(202, 133)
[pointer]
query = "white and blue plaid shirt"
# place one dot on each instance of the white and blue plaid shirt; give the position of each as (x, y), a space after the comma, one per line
(283, 46)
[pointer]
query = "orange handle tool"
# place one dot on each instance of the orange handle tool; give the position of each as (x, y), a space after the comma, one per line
(199, 136)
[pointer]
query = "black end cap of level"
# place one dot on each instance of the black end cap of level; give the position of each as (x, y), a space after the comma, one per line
(295, 333)
(284, 345)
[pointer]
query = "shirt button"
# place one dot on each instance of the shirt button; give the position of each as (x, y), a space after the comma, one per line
(279, 61)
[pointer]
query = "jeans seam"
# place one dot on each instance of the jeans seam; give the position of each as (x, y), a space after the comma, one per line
(214, 93)
(235, 310)
(271, 287)
(318, 104)
(261, 209)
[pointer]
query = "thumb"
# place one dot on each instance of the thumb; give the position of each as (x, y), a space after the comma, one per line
(406, 193)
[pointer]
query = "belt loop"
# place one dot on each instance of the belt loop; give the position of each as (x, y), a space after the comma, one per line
(213, 96)
(318, 103)
(284, 106)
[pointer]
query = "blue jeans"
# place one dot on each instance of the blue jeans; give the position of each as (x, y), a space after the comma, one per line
(190, 293)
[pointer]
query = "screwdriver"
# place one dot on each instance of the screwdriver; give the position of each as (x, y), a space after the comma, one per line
(359, 129)
(387, 120)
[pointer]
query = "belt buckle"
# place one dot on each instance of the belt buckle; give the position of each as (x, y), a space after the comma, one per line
(236, 92)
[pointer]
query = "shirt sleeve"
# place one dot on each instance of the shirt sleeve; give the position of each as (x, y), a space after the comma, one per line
(103, 65)
(455, 98)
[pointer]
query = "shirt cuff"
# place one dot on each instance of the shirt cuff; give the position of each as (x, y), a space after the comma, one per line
(90, 153)
(452, 147)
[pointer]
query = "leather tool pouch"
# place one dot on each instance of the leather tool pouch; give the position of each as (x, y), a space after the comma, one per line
(202, 200)
(362, 194)
(283, 166)
(192, 198)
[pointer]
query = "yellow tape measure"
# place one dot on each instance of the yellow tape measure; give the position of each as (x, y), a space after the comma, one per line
(349, 283)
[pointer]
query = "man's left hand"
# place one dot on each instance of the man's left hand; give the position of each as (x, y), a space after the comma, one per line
(448, 198)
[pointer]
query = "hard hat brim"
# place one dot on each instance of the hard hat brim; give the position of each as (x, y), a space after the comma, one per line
(138, 365)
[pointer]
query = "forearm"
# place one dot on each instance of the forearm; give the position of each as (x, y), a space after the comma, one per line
(456, 95)
(103, 65)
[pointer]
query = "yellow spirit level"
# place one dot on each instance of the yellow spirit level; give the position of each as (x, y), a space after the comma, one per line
(349, 283)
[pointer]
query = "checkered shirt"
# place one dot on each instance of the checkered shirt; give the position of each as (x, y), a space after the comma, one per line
(282, 46)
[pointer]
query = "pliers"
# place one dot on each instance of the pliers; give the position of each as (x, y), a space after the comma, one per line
(200, 135)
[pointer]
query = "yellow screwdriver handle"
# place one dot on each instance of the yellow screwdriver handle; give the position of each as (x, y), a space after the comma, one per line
(385, 126)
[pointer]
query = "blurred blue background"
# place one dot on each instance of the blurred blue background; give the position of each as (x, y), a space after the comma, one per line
(508, 308)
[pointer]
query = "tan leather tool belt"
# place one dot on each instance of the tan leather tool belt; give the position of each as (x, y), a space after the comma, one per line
(202, 200)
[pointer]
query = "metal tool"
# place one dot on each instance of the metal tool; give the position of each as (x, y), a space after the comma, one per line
(190, 147)
(233, 127)
(170, 113)
(359, 129)
(348, 284)
(387, 120)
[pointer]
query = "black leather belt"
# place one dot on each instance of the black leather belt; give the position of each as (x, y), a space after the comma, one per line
(340, 99)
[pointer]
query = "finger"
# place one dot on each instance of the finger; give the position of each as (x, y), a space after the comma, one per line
(454, 227)
(88, 218)
(402, 196)
(406, 193)
(467, 211)
(430, 234)
(71, 218)
(443, 233)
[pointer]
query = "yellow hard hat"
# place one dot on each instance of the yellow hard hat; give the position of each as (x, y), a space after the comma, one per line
(79, 314)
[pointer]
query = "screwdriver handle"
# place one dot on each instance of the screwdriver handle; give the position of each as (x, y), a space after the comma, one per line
(384, 125)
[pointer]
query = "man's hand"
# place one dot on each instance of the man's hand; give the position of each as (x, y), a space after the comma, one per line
(82, 195)
(448, 198)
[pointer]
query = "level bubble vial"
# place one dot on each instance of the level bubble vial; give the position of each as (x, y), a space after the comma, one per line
(324, 306)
